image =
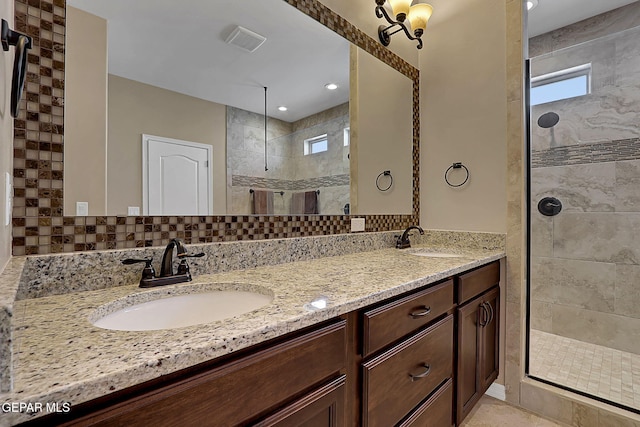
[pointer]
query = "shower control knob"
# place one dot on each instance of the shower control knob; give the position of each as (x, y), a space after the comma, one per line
(549, 206)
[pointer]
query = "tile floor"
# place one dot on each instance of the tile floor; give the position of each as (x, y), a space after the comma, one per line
(490, 412)
(601, 371)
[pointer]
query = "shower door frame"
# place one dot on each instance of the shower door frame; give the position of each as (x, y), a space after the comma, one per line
(529, 205)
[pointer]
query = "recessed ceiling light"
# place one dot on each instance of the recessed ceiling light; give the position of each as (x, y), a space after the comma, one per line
(282, 108)
(331, 86)
(531, 4)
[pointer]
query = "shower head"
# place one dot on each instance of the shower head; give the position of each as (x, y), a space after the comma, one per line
(548, 120)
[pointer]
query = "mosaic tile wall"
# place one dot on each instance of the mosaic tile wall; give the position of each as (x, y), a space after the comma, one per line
(39, 226)
(599, 152)
(291, 185)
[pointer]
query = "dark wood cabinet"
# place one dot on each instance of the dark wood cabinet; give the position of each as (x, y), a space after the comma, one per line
(397, 380)
(478, 337)
(240, 391)
(391, 321)
(323, 407)
(436, 411)
(422, 359)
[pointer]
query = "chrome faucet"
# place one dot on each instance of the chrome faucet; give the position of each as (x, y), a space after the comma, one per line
(167, 276)
(403, 241)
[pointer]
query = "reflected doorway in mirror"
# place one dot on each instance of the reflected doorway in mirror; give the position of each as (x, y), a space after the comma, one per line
(177, 177)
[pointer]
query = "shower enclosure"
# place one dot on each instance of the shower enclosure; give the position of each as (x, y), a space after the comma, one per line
(584, 215)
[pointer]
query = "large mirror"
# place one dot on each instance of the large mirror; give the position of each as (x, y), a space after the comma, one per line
(165, 113)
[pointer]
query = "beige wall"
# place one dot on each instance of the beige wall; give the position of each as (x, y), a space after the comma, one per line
(6, 136)
(384, 142)
(463, 116)
(85, 119)
(361, 13)
(172, 115)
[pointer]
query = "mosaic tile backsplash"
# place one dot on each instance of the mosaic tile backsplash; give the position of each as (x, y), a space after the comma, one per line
(39, 225)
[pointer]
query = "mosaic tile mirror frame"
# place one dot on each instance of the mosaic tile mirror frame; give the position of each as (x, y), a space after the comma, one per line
(39, 225)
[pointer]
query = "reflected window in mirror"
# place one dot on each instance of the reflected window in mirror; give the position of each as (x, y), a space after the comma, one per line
(317, 144)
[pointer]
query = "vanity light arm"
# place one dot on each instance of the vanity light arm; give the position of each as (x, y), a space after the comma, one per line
(384, 35)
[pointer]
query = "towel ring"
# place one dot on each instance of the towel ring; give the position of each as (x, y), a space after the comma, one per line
(457, 165)
(384, 173)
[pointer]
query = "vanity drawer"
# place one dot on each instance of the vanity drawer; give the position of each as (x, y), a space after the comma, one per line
(240, 390)
(477, 281)
(388, 323)
(437, 411)
(397, 380)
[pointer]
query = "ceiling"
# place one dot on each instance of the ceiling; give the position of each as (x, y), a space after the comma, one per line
(180, 46)
(553, 14)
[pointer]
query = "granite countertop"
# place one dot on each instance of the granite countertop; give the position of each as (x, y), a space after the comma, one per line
(59, 356)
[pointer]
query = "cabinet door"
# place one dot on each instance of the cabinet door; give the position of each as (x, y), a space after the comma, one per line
(490, 340)
(478, 340)
(468, 378)
(323, 407)
(237, 391)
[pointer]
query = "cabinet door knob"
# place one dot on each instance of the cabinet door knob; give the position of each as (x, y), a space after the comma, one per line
(425, 311)
(415, 376)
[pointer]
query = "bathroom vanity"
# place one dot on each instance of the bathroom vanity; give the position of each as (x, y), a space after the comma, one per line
(390, 345)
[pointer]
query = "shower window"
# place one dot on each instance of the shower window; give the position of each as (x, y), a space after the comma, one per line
(562, 84)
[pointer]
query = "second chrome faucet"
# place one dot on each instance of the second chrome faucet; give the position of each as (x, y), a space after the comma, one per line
(167, 275)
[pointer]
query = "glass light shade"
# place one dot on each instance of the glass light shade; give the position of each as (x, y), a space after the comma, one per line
(400, 8)
(419, 14)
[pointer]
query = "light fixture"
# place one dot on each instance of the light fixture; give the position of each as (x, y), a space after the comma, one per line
(531, 4)
(331, 86)
(418, 15)
(282, 108)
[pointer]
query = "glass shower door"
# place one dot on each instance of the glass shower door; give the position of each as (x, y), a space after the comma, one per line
(584, 227)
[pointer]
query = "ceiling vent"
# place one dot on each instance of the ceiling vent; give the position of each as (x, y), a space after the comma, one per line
(245, 39)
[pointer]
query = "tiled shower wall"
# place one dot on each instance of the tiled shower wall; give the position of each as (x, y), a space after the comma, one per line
(289, 169)
(39, 226)
(586, 260)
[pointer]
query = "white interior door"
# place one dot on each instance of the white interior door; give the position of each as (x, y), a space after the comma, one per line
(177, 178)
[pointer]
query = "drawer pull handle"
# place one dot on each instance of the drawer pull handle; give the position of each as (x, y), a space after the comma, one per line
(421, 313)
(423, 373)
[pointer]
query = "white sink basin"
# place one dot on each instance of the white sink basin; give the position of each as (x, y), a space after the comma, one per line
(178, 311)
(433, 254)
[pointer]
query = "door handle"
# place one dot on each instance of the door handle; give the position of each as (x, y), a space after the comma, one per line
(484, 314)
